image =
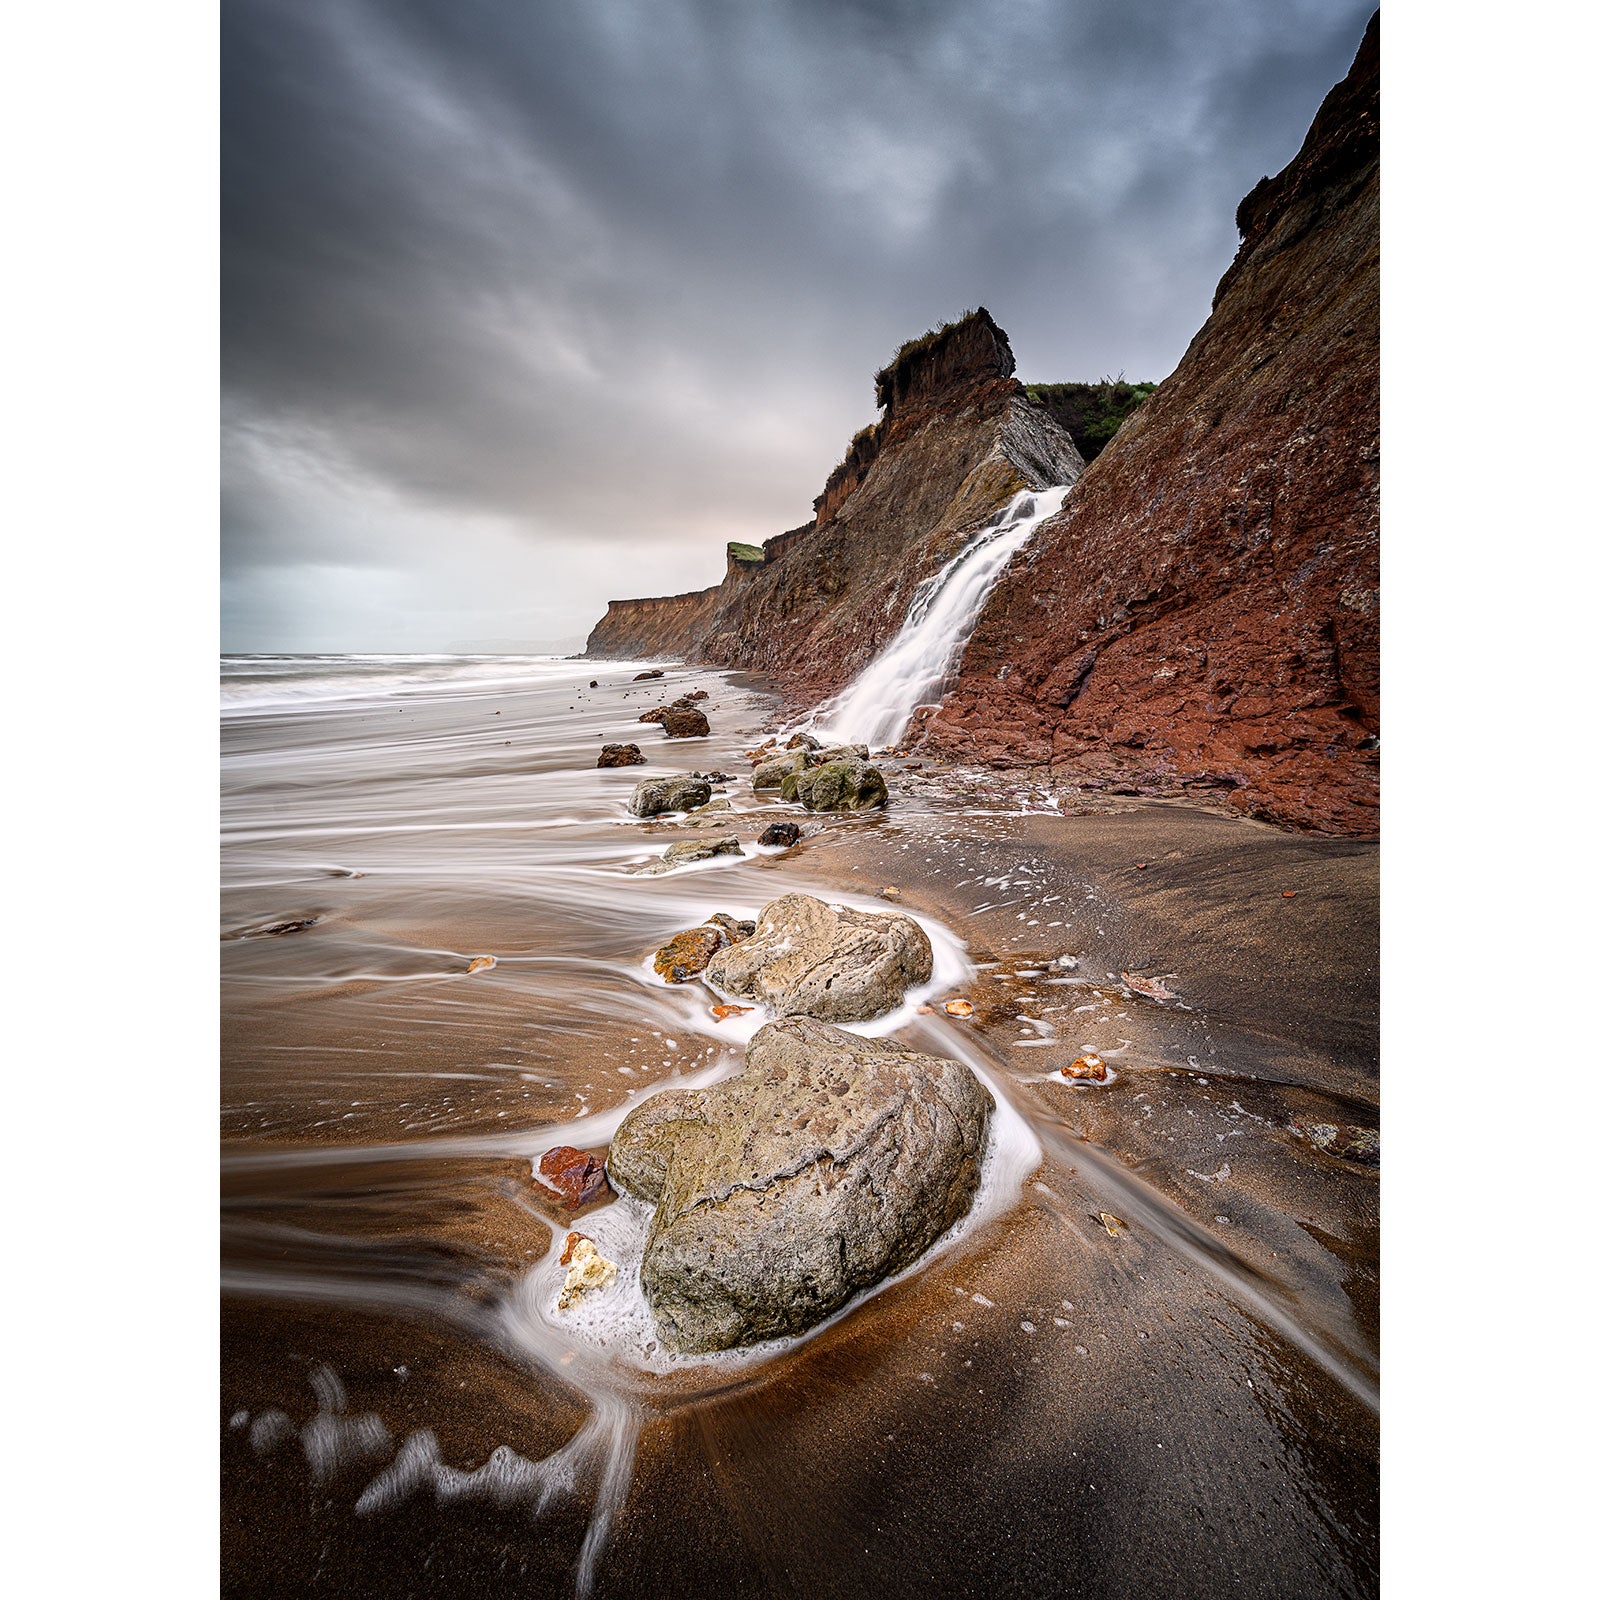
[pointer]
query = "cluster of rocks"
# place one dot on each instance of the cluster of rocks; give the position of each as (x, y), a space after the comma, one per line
(830, 1161)
(821, 778)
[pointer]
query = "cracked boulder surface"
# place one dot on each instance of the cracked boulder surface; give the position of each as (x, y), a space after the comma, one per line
(828, 1163)
(829, 962)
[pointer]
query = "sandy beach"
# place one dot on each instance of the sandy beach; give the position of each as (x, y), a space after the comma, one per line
(1181, 1400)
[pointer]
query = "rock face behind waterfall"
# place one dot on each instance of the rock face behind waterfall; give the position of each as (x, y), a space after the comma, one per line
(1205, 607)
(829, 1162)
(957, 439)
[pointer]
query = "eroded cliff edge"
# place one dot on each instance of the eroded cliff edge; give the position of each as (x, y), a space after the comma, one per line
(1205, 607)
(957, 438)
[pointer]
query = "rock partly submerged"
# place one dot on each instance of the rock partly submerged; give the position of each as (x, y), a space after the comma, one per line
(686, 851)
(810, 959)
(654, 796)
(846, 785)
(684, 956)
(826, 1164)
(620, 755)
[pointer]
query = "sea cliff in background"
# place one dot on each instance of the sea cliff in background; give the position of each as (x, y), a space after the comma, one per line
(958, 438)
(1203, 612)
(1205, 607)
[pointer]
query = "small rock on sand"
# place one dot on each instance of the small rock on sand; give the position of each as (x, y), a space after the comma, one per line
(620, 755)
(1090, 1067)
(653, 796)
(782, 834)
(576, 1174)
(586, 1268)
(687, 850)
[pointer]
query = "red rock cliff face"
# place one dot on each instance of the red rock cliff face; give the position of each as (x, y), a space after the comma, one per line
(635, 630)
(1205, 607)
(957, 439)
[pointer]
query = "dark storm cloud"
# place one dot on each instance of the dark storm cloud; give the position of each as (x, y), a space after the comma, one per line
(531, 304)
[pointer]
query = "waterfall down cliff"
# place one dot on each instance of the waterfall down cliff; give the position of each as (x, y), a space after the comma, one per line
(921, 659)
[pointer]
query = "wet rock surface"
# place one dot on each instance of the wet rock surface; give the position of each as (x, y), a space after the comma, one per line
(828, 1163)
(655, 796)
(769, 774)
(579, 1176)
(1343, 1140)
(685, 723)
(620, 755)
(848, 785)
(782, 834)
(686, 851)
(811, 959)
(684, 956)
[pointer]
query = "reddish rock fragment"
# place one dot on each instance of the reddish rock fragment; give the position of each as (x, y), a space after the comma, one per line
(1090, 1067)
(576, 1174)
(684, 955)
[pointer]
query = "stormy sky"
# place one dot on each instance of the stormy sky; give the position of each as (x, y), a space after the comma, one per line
(530, 304)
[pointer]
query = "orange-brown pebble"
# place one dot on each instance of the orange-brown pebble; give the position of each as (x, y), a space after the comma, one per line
(958, 1008)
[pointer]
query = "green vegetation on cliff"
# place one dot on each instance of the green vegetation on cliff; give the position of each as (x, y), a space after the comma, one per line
(1091, 412)
(750, 554)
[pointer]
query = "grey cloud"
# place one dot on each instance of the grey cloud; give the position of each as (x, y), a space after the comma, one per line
(579, 291)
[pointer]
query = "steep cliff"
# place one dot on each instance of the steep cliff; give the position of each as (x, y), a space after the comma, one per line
(958, 438)
(1205, 608)
(670, 625)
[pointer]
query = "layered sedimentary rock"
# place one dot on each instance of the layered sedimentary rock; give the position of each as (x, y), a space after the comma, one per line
(1205, 607)
(958, 438)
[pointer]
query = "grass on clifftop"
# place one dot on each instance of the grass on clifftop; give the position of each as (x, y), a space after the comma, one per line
(751, 554)
(1092, 412)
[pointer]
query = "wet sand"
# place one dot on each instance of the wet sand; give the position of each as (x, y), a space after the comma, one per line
(1046, 1408)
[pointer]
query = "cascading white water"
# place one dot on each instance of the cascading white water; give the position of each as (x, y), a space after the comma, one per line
(916, 666)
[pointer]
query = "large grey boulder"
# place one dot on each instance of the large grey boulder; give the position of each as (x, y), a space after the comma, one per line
(848, 785)
(814, 960)
(828, 1163)
(656, 795)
